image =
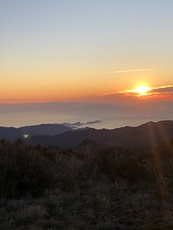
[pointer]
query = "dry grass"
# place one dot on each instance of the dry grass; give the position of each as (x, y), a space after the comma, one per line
(98, 206)
(85, 189)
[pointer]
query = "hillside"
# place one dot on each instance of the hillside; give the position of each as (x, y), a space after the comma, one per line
(11, 133)
(112, 187)
(144, 135)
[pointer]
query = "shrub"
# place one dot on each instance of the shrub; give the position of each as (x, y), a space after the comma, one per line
(23, 171)
(117, 161)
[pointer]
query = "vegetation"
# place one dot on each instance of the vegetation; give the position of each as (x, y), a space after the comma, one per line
(111, 187)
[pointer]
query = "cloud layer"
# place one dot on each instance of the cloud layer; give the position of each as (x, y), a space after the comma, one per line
(78, 123)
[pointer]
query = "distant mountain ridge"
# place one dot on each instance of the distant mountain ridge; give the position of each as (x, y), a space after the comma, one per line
(144, 135)
(59, 135)
(11, 133)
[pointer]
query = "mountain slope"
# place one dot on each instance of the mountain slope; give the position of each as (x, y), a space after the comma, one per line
(11, 133)
(143, 135)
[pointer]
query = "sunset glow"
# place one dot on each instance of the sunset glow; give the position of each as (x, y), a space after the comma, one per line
(142, 90)
(95, 59)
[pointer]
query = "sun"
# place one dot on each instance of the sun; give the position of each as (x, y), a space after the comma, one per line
(142, 90)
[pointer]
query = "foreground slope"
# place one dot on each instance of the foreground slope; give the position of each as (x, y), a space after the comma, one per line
(110, 188)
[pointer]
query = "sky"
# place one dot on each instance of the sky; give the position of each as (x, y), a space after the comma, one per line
(85, 61)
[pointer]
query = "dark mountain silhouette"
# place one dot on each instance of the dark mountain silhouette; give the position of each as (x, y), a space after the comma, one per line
(11, 133)
(144, 135)
(88, 145)
(45, 129)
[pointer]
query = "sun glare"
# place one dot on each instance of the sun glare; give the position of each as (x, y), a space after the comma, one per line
(142, 90)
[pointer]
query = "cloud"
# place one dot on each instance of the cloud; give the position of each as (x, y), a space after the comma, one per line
(162, 89)
(73, 125)
(92, 122)
(78, 123)
(157, 92)
(129, 71)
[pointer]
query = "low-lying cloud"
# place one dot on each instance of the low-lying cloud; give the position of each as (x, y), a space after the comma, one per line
(78, 123)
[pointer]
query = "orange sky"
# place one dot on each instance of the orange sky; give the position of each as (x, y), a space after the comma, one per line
(84, 50)
(74, 87)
